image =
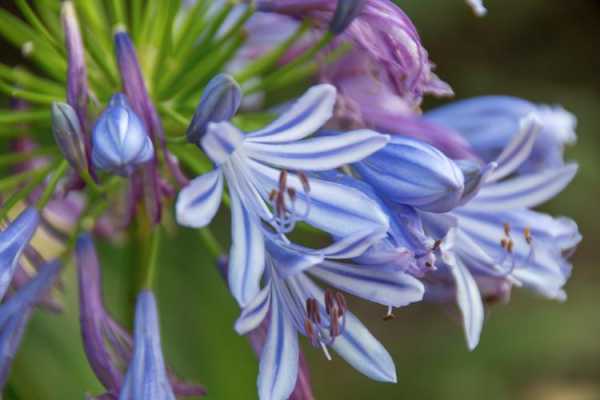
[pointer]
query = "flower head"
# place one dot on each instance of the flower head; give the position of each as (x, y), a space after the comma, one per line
(120, 142)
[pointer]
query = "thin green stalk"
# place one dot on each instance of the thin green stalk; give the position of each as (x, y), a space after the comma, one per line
(22, 194)
(27, 95)
(14, 158)
(118, 12)
(33, 19)
(211, 242)
(152, 262)
(51, 188)
(13, 181)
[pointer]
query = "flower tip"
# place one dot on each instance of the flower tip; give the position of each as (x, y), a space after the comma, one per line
(68, 135)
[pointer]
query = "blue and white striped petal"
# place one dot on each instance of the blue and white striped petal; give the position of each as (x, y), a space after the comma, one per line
(247, 254)
(331, 207)
(220, 140)
(199, 201)
(278, 370)
(255, 311)
(319, 154)
(304, 118)
(389, 288)
(291, 260)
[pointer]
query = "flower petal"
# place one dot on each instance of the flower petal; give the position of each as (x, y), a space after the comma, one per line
(319, 154)
(199, 201)
(278, 370)
(254, 312)
(390, 288)
(247, 254)
(291, 260)
(305, 117)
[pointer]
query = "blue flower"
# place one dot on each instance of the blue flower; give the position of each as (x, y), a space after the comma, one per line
(490, 123)
(296, 305)
(146, 377)
(15, 313)
(263, 170)
(120, 142)
(414, 173)
(495, 241)
(13, 241)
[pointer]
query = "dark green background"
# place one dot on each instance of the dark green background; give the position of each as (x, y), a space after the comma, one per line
(543, 50)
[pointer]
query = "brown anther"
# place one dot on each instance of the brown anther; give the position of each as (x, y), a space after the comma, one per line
(272, 195)
(389, 316)
(283, 181)
(527, 234)
(329, 299)
(334, 328)
(341, 303)
(504, 243)
(509, 246)
(428, 264)
(312, 310)
(304, 180)
(436, 245)
(292, 194)
(507, 229)
(308, 328)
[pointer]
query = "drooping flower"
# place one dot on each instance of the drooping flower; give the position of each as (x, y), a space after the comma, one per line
(119, 141)
(263, 189)
(495, 241)
(108, 346)
(294, 305)
(146, 377)
(489, 124)
(16, 311)
(13, 241)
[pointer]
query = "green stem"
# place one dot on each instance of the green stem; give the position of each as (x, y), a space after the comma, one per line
(152, 262)
(89, 181)
(49, 191)
(211, 242)
(25, 191)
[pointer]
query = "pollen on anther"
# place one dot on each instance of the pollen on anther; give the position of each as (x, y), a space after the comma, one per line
(527, 234)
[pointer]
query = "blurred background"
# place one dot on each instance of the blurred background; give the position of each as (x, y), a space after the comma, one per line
(532, 349)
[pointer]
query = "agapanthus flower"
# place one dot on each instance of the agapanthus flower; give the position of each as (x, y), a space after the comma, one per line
(13, 241)
(16, 311)
(108, 346)
(294, 305)
(489, 123)
(495, 241)
(119, 141)
(255, 166)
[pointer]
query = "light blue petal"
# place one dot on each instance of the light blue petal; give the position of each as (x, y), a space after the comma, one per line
(523, 191)
(390, 288)
(334, 208)
(475, 176)
(199, 201)
(291, 260)
(278, 370)
(13, 241)
(247, 254)
(305, 117)
(319, 154)
(255, 312)
(413, 173)
(220, 140)
(353, 245)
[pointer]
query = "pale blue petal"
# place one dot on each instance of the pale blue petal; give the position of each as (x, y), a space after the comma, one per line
(247, 254)
(220, 140)
(523, 191)
(255, 312)
(199, 201)
(319, 154)
(390, 288)
(475, 177)
(278, 370)
(334, 208)
(305, 117)
(291, 260)
(353, 245)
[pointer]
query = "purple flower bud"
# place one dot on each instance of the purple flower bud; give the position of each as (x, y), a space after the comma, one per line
(220, 101)
(119, 141)
(346, 11)
(15, 313)
(77, 85)
(68, 135)
(13, 241)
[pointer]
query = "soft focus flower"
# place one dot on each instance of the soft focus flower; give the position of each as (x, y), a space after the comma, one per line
(120, 142)
(146, 377)
(107, 344)
(294, 304)
(69, 135)
(490, 123)
(261, 192)
(13, 240)
(15, 313)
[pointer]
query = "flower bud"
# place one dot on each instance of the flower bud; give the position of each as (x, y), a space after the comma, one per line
(345, 12)
(220, 101)
(68, 135)
(119, 141)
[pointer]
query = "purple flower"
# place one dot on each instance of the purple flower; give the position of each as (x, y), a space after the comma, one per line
(15, 313)
(13, 241)
(107, 344)
(68, 135)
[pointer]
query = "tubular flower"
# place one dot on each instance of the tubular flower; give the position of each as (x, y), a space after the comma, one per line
(119, 141)
(262, 192)
(15, 313)
(294, 304)
(495, 241)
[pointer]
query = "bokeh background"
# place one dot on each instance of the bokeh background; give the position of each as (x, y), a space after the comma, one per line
(543, 50)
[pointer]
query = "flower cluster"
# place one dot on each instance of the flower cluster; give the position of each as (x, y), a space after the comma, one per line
(414, 206)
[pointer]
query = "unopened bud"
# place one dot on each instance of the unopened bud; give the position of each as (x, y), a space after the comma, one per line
(69, 135)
